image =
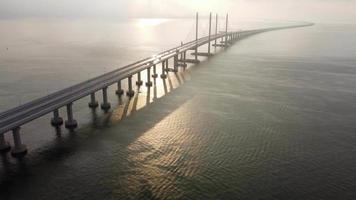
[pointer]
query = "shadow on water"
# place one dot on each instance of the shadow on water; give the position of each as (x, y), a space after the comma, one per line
(19, 172)
(134, 101)
(148, 96)
(154, 90)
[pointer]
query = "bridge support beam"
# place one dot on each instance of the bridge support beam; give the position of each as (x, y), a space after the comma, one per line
(163, 75)
(139, 81)
(4, 146)
(56, 120)
(105, 105)
(196, 36)
(216, 27)
(130, 93)
(93, 102)
(119, 90)
(149, 82)
(184, 58)
(209, 34)
(175, 65)
(226, 36)
(167, 65)
(70, 123)
(19, 148)
(154, 75)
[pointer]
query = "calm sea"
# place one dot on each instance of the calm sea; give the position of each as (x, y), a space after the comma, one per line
(271, 117)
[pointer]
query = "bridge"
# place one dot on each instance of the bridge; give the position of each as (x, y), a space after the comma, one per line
(163, 63)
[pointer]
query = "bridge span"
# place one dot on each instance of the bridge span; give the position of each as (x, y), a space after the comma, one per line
(14, 118)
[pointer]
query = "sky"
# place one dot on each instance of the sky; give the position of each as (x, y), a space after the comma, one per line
(342, 11)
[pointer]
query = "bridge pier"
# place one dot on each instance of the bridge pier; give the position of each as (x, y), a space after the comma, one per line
(139, 81)
(19, 148)
(196, 36)
(105, 105)
(184, 58)
(4, 146)
(56, 120)
(119, 90)
(149, 82)
(209, 35)
(154, 75)
(70, 123)
(163, 75)
(93, 102)
(167, 66)
(175, 60)
(216, 28)
(130, 92)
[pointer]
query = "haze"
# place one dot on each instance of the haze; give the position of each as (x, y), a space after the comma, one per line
(341, 11)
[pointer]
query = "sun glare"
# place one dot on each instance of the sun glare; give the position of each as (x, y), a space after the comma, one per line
(146, 22)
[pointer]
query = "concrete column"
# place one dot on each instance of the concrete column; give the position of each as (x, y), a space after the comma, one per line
(93, 102)
(176, 62)
(130, 92)
(149, 82)
(163, 75)
(196, 36)
(209, 34)
(167, 63)
(19, 148)
(4, 146)
(119, 90)
(139, 81)
(105, 105)
(154, 75)
(70, 123)
(216, 26)
(56, 120)
(227, 21)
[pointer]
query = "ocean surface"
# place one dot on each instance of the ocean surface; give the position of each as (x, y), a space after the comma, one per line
(271, 117)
